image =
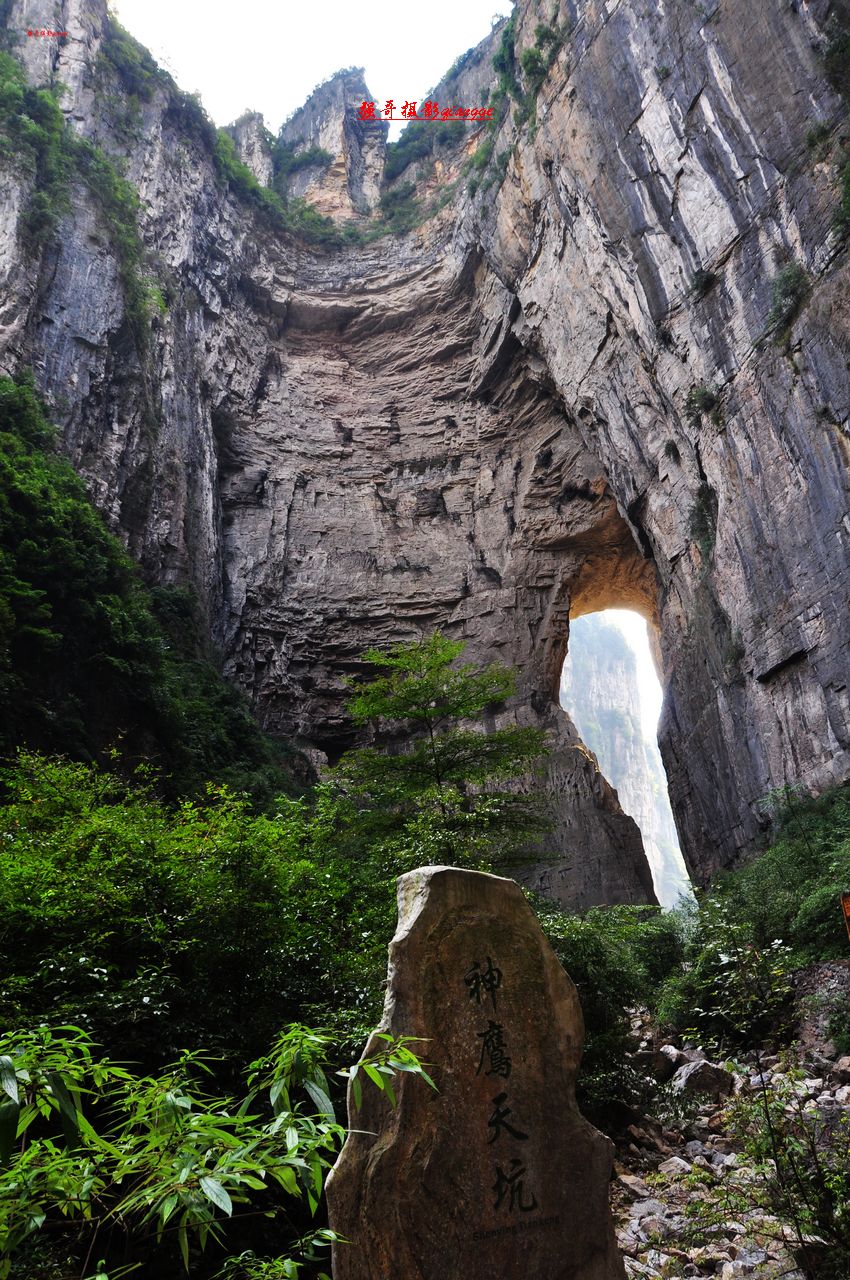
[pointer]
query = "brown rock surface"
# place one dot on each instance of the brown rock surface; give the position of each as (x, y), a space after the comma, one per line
(496, 1174)
(483, 424)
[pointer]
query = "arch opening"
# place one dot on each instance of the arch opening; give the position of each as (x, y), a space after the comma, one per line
(611, 691)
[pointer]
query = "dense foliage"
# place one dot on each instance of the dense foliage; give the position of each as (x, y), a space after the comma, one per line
(153, 927)
(761, 923)
(89, 659)
(117, 1171)
(618, 957)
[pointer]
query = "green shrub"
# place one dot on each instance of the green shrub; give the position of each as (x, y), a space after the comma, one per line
(761, 922)
(208, 924)
(416, 143)
(400, 208)
(201, 925)
(818, 135)
(295, 217)
(703, 282)
(700, 400)
(789, 291)
(288, 160)
(791, 891)
(135, 68)
(837, 54)
(842, 213)
(90, 659)
(703, 525)
(33, 135)
(618, 957)
(730, 992)
(534, 68)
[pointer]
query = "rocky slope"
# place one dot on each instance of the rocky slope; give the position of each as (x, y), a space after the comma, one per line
(599, 691)
(690, 1197)
(519, 409)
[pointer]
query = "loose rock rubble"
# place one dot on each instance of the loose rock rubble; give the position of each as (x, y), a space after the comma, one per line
(655, 1190)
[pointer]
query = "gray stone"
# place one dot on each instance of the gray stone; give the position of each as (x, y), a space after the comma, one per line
(646, 1209)
(675, 1165)
(496, 1173)
(634, 1187)
(702, 1077)
(841, 1070)
(667, 1059)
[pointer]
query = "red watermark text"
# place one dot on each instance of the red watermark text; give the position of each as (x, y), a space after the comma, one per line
(429, 111)
(42, 31)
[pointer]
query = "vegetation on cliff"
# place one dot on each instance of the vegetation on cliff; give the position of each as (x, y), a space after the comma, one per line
(91, 661)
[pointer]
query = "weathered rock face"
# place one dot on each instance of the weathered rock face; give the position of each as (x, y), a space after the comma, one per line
(252, 146)
(351, 184)
(467, 1181)
(483, 425)
(599, 690)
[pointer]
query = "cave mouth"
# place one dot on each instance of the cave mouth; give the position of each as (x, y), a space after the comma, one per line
(611, 691)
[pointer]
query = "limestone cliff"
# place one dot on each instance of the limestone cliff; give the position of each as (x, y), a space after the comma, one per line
(561, 391)
(600, 692)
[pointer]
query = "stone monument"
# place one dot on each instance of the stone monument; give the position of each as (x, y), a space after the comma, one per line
(495, 1176)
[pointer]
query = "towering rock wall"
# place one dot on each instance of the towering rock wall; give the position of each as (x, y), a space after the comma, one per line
(485, 424)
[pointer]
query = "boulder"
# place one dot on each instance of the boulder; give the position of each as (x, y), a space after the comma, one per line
(841, 1070)
(702, 1077)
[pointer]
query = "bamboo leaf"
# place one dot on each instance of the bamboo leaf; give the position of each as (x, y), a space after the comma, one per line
(320, 1098)
(9, 1112)
(8, 1078)
(216, 1193)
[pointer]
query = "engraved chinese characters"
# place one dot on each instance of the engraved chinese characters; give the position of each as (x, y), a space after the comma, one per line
(496, 1174)
(508, 1187)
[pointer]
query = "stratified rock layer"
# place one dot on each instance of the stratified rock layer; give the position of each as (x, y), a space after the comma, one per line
(485, 423)
(469, 1181)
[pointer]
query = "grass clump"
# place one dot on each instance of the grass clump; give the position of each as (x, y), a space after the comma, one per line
(789, 290)
(702, 283)
(703, 525)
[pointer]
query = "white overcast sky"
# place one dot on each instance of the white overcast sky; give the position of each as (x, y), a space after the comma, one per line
(269, 55)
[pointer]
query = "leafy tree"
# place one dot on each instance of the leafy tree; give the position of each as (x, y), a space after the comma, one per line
(88, 657)
(209, 924)
(435, 789)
